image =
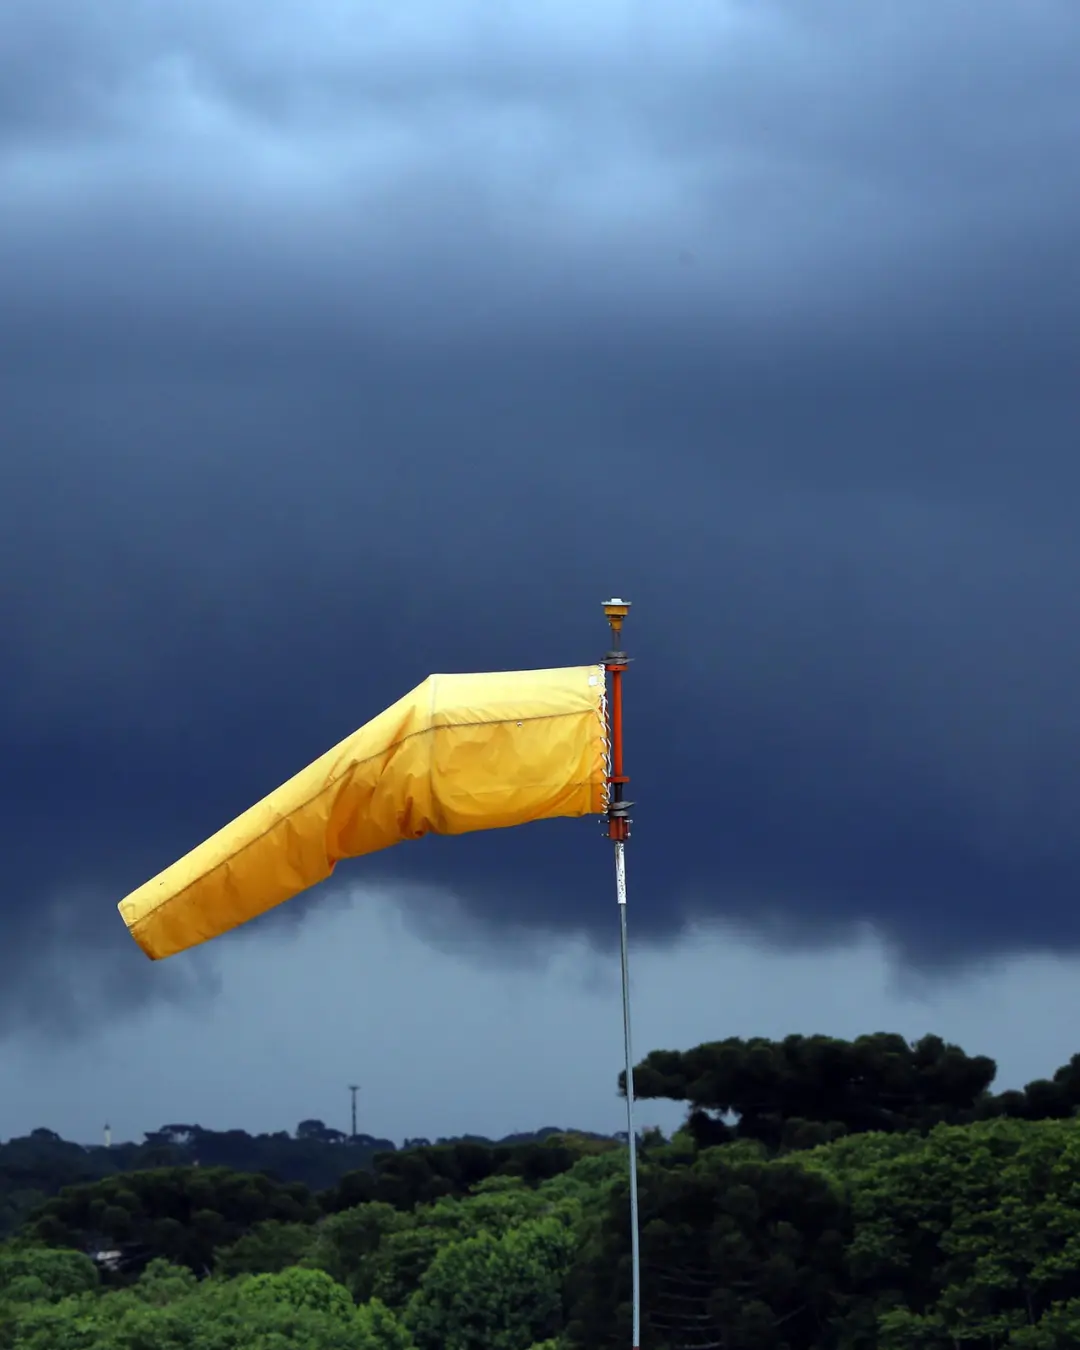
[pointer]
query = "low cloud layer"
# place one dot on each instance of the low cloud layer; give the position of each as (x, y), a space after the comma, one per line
(443, 1043)
(336, 351)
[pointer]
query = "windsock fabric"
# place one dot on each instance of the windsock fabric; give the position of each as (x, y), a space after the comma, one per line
(460, 753)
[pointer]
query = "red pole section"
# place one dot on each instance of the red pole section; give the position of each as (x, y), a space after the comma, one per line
(615, 664)
(618, 825)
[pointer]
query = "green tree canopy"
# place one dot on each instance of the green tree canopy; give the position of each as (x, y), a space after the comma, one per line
(774, 1090)
(182, 1213)
(744, 1254)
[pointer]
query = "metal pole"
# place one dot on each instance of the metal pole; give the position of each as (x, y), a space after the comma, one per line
(631, 1132)
(619, 832)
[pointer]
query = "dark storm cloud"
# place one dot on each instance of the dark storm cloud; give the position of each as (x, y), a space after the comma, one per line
(331, 356)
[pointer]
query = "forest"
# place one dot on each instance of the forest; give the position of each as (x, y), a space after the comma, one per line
(873, 1194)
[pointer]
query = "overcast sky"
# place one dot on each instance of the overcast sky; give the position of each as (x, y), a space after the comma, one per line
(341, 343)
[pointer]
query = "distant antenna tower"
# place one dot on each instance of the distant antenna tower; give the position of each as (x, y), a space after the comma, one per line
(354, 1088)
(108, 1137)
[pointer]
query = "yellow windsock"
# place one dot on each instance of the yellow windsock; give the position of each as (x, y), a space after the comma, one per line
(460, 753)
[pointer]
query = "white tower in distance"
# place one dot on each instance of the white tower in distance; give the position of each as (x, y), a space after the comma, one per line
(108, 1137)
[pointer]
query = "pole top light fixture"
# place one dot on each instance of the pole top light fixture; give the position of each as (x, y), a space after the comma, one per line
(616, 611)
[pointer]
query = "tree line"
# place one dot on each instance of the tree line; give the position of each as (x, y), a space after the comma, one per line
(805, 1090)
(822, 1195)
(39, 1165)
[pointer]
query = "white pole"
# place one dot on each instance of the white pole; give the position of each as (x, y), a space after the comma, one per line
(631, 1132)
